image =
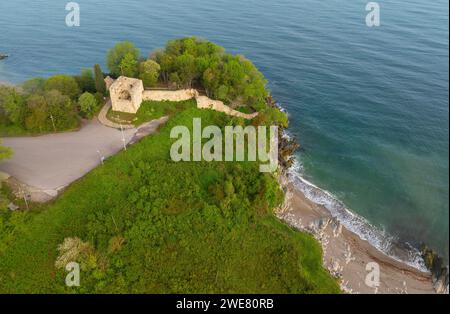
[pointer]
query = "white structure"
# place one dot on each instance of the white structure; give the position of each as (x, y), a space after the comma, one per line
(126, 94)
(170, 95)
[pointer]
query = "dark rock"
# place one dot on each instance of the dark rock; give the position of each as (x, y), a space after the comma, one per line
(438, 269)
(286, 150)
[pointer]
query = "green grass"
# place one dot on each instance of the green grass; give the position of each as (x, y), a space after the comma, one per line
(12, 130)
(151, 110)
(188, 227)
(121, 117)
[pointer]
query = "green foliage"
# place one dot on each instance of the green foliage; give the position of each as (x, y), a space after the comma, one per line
(34, 85)
(191, 62)
(118, 53)
(151, 110)
(5, 153)
(50, 112)
(142, 223)
(100, 85)
(86, 81)
(41, 106)
(65, 84)
(145, 224)
(149, 72)
(37, 118)
(12, 105)
(88, 105)
(271, 116)
(129, 65)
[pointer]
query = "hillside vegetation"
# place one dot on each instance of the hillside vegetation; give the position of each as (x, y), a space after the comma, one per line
(142, 223)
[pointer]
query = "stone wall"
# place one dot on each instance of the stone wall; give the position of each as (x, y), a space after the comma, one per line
(204, 102)
(128, 93)
(170, 95)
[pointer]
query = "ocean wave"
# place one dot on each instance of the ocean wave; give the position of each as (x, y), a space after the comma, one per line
(387, 244)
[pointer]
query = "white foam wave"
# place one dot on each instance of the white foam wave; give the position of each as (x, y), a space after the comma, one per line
(402, 252)
(387, 244)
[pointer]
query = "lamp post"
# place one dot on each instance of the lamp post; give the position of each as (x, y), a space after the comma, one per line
(101, 157)
(53, 122)
(25, 198)
(123, 137)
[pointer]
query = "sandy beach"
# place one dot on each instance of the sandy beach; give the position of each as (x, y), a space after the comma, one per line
(345, 254)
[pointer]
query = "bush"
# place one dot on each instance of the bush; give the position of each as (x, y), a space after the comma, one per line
(191, 62)
(149, 72)
(100, 84)
(88, 105)
(117, 54)
(65, 84)
(86, 81)
(149, 225)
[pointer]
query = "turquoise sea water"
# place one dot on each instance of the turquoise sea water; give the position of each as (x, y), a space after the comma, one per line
(369, 105)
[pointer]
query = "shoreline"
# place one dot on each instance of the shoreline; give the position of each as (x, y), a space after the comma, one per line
(345, 254)
(42, 188)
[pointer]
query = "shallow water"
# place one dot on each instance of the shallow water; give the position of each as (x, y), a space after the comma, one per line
(369, 105)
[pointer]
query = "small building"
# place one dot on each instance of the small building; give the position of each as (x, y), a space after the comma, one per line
(126, 94)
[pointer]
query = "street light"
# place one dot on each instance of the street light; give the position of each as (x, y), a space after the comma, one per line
(102, 158)
(123, 137)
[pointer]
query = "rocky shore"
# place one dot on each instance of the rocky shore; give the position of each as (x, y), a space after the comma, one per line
(350, 259)
(439, 271)
(346, 256)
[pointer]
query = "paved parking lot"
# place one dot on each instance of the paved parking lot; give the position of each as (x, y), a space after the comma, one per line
(50, 162)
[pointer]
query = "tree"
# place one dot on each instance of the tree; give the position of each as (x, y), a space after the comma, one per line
(149, 72)
(174, 79)
(37, 117)
(65, 84)
(86, 81)
(88, 104)
(100, 85)
(232, 79)
(129, 65)
(211, 80)
(165, 61)
(118, 53)
(186, 69)
(62, 111)
(34, 85)
(13, 104)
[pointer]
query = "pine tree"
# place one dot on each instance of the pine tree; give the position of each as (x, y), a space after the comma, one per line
(100, 85)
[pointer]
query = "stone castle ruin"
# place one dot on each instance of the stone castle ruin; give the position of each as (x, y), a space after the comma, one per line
(128, 93)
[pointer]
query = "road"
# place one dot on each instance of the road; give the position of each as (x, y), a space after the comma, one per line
(51, 162)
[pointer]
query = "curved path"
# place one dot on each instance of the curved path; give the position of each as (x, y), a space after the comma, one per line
(102, 117)
(48, 163)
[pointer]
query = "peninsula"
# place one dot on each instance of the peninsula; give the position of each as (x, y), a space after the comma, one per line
(91, 181)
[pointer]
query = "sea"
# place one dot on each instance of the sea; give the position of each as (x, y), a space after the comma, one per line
(369, 105)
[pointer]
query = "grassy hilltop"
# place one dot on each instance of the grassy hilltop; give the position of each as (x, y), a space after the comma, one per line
(142, 223)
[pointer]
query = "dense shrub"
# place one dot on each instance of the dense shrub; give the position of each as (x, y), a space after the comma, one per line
(66, 85)
(145, 224)
(189, 62)
(123, 57)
